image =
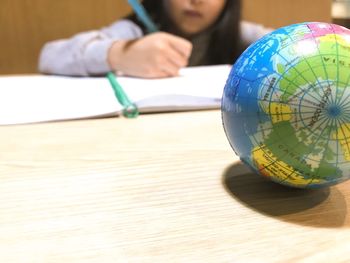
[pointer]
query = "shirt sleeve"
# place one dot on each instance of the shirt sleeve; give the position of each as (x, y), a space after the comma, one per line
(85, 53)
(251, 32)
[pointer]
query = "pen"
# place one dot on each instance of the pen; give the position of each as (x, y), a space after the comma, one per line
(130, 110)
(143, 16)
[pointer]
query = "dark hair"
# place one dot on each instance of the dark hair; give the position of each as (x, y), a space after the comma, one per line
(225, 42)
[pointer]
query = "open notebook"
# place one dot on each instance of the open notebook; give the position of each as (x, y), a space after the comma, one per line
(41, 98)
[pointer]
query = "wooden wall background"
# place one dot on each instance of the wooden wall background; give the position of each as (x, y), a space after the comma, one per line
(25, 25)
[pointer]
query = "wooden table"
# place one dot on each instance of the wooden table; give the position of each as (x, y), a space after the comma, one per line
(160, 188)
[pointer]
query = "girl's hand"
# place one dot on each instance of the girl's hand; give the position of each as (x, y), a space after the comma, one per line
(154, 56)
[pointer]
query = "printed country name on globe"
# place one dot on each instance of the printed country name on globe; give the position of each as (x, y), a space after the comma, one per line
(295, 156)
(320, 106)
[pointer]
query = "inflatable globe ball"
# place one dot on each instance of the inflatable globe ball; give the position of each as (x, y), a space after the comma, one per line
(286, 105)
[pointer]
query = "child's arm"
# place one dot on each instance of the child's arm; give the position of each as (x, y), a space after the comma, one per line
(85, 53)
(154, 56)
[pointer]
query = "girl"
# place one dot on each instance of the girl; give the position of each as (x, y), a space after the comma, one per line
(192, 33)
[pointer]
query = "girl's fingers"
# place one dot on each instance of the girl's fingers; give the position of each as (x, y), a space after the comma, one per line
(183, 46)
(164, 70)
(170, 69)
(176, 58)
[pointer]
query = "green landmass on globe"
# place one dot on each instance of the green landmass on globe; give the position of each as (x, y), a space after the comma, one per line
(286, 105)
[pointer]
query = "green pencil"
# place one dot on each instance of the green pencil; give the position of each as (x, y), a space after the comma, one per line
(130, 110)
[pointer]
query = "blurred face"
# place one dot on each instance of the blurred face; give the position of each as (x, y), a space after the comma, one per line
(193, 16)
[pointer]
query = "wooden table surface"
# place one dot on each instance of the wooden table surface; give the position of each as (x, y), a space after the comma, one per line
(159, 188)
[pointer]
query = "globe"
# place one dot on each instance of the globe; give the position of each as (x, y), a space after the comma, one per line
(286, 105)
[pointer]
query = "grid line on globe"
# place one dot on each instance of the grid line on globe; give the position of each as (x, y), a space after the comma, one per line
(286, 105)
